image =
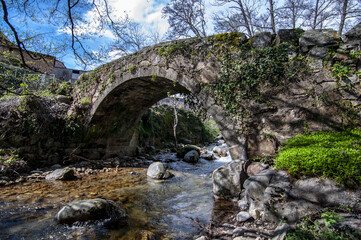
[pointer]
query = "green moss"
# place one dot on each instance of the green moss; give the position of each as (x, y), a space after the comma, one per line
(171, 49)
(336, 155)
(154, 77)
(231, 38)
(132, 69)
(85, 100)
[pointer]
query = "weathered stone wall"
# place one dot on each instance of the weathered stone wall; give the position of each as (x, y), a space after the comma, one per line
(324, 96)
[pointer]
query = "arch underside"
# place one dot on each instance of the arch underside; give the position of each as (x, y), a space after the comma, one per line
(114, 122)
(115, 119)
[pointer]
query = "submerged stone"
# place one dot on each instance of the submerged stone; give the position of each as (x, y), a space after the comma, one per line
(157, 171)
(191, 157)
(64, 174)
(93, 209)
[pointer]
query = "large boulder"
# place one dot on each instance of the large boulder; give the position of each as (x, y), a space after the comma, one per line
(93, 209)
(191, 157)
(288, 35)
(228, 180)
(184, 150)
(320, 38)
(262, 40)
(157, 171)
(64, 174)
(271, 196)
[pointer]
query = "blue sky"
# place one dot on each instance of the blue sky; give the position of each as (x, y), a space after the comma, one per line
(145, 12)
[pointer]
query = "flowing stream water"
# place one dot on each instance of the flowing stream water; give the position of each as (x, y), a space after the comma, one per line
(172, 208)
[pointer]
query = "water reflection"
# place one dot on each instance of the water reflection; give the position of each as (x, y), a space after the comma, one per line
(155, 207)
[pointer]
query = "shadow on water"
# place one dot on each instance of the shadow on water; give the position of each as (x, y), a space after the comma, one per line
(165, 207)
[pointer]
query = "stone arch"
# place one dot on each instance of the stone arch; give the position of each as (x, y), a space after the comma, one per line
(127, 87)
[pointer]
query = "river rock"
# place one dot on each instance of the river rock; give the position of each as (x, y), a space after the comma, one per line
(157, 171)
(255, 168)
(93, 209)
(64, 174)
(221, 150)
(184, 150)
(228, 180)
(243, 216)
(208, 156)
(191, 157)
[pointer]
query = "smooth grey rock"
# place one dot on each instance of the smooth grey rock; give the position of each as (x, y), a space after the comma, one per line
(228, 180)
(202, 238)
(239, 231)
(157, 171)
(243, 204)
(262, 40)
(221, 150)
(321, 38)
(93, 209)
(64, 174)
(243, 216)
(257, 184)
(281, 231)
(255, 168)
(184, 150)
(191, 157)
(324, 192)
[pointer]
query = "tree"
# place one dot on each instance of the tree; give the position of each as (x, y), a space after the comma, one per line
(77, 22)
(242, 14)
(272, 14)
(292, 13)
(185, 18)
(320, 13)
(347, 11)
(130, 37)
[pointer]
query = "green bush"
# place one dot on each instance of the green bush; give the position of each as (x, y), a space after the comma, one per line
(336, 155)
(329, 227)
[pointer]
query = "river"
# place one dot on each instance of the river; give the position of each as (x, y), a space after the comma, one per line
(173, 208)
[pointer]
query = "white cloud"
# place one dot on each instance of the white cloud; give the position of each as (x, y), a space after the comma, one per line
(146, 12)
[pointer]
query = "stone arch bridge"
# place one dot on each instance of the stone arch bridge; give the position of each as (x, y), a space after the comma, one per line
(114, 96)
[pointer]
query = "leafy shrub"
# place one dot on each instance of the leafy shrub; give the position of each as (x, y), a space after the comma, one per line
(329, 228)
(335, 155)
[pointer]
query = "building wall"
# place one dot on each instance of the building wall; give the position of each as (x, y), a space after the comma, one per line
(42, 63)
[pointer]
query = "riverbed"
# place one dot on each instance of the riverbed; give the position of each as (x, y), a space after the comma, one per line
(173, 208)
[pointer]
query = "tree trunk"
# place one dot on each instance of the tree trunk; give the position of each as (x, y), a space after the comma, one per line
(175, 122)
(316, 16)
(343, 17)
(272, 15)
(245, 18)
